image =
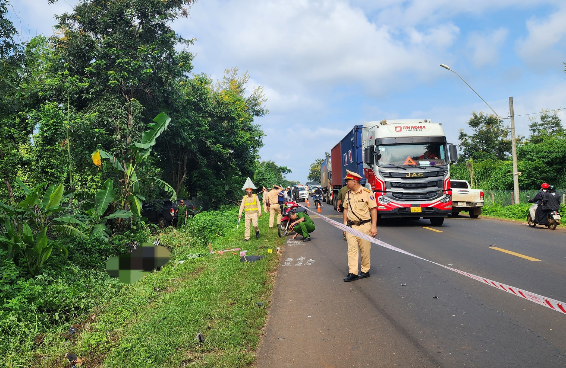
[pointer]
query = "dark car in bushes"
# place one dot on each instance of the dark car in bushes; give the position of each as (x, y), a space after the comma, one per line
(163, 212)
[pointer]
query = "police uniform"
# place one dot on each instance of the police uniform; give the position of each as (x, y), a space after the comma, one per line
(358, 205)
(274, 208)
(341, 195)
(264, 200)
(252, 208)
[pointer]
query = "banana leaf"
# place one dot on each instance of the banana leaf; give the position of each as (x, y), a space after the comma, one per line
(104, 196)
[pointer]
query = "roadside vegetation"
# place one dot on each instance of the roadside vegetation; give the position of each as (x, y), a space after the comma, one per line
(75, 307)
(96, 120)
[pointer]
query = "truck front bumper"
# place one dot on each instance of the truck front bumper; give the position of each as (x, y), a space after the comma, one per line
(425, 212)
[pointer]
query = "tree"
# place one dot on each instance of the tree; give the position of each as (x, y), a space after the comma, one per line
(548, 126)
(119, 62)
(212, 144)
(488, 141)
(14, 127)
(267, 174)
(314, 173)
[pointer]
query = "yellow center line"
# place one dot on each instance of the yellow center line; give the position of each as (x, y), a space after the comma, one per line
(516, 254)
(431, 229)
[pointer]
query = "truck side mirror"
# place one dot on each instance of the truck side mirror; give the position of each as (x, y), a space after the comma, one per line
(453, 153)
(368, 155)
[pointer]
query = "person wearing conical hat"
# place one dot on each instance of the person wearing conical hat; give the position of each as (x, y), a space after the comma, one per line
(274, 207)
(360, 213)
(252, 208)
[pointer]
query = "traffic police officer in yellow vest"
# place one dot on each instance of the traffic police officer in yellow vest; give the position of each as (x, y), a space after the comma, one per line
(252, 207)
(274, 208)
(360, 213)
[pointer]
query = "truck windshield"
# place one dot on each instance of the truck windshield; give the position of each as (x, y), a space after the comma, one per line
(423, 154)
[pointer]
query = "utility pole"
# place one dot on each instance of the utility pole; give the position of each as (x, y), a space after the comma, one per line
(514, 152)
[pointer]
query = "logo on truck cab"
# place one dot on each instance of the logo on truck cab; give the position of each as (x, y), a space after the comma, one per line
(410, 128)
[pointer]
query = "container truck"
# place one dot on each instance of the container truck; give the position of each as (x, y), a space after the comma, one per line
(325, 179)
(346, 155)
(406, 164)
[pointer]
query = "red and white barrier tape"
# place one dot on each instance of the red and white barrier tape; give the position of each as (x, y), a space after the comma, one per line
(535, 298)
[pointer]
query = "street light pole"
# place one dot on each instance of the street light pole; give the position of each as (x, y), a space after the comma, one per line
(513, 140)
(514, 152)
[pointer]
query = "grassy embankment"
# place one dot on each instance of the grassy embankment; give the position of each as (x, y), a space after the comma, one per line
(155, 321)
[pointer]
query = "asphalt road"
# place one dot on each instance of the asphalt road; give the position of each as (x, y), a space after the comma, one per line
(411, 313)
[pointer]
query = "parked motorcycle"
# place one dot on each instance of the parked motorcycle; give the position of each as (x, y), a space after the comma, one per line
(284, 228)
(553, 218)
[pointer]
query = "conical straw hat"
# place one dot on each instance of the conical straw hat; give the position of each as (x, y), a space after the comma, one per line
(248, 184)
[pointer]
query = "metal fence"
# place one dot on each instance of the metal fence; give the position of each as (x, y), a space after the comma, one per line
(506, 197)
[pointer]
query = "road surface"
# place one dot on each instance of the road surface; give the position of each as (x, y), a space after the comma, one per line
(411, 313)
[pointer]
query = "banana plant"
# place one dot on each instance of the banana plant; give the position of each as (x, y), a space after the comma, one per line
(25, 226)
(103, 198)
(138, 153)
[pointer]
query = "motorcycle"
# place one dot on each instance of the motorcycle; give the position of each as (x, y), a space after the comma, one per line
(317, 199)
(284, 228)
(553, 218)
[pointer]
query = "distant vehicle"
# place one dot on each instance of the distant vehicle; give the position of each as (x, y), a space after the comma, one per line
(303, 194)
(313, 187)
(466, 199)
(163, 212)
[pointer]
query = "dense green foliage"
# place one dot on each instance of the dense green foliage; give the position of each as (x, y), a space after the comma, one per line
(267, 174)
(486, 157)
(95, 120)
(97, 84)
(314, 173)
(195, 292)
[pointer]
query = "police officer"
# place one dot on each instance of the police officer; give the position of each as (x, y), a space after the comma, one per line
(250, 204)
(359, 213)
(302, 224)
(274, 208)
(340, 198)
(264, 199)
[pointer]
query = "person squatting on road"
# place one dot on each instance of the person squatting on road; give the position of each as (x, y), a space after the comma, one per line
(251, 206)
(274, 208)
(302, 224)
(360, 214)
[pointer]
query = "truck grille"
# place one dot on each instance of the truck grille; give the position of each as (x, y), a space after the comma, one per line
(416, 196)
(406, 185)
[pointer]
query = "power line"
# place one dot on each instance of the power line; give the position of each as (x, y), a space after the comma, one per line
(538, 113)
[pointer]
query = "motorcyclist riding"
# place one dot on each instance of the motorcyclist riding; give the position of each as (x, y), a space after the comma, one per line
(546, 203)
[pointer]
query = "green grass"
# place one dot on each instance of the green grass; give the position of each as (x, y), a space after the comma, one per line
(154, 322)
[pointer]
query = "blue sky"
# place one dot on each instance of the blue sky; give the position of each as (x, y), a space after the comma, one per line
(327, 65)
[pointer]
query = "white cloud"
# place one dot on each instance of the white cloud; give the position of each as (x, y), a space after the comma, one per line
(34, 17)
(544, 46)
(485, 47)
(410, 13)
(317, 42)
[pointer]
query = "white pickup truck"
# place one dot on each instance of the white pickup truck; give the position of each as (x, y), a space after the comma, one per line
(466, 199)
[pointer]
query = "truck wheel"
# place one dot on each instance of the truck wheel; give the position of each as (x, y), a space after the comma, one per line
(437, 221)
